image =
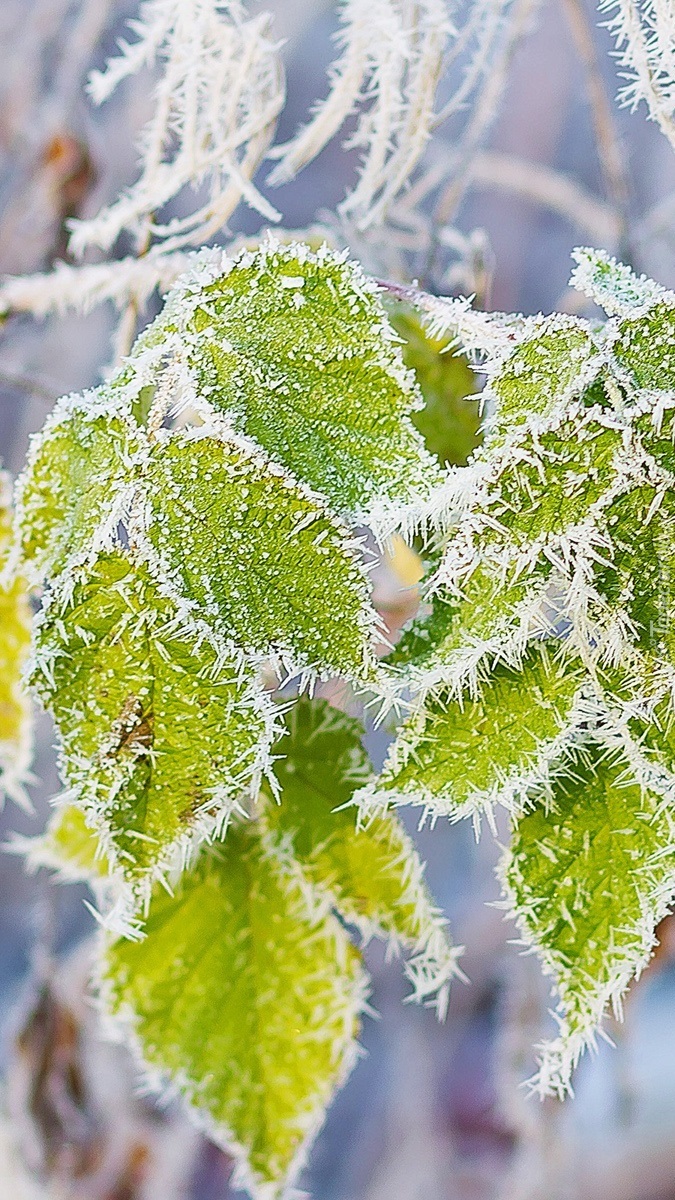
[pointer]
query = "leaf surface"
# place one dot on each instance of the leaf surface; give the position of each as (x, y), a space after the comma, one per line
(248, 997)
(459, 756)
(553, 362)
(162, 732)
(70, 496)
(373, 874)
(589, 876)
(295, 347)
(255, 554)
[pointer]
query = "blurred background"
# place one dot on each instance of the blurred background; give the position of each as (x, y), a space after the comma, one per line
(431, 1112)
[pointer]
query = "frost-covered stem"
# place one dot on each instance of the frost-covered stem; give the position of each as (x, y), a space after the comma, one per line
(648, 55)
(610, 151)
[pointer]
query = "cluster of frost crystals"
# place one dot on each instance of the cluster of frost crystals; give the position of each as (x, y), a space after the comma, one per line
(217, 102)
(643, 30)
(542, 674)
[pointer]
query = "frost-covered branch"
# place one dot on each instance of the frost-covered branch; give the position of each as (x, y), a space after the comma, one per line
(219, 94)
(645, 37)
(391, 58)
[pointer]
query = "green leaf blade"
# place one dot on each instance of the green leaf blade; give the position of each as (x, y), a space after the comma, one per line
(257, 555)
(458, 757)
(373, 874)
(588, 877)
(161, 731)
(553, 363)
(295, 348)
(72, 492)
(250, 999)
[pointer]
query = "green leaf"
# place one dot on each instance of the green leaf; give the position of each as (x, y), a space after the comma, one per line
(72, 493)
(551, 480)
(295, 347)
(248, 995)
(638, 574)
(556, 360)
(588, 876)
(255, 554)
(612, 285)
(373, 874)
(458, 757)
(646, 346)
(15, 706)
(450, 419)
(494, 611)
(162, 732)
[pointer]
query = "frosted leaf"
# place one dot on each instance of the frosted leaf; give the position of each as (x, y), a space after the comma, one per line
(588, 876)
(637, 575)
(295, 347)
(245, 996)
(646, 346)
(72, 493)
(162, 734)
(550, 481)
(554, 360)
(15, 706)
(494, 615)
(255, 554)
(613, 286)
(373, 875)
(459, 756)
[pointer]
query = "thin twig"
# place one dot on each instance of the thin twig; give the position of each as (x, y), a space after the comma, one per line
(610, 151)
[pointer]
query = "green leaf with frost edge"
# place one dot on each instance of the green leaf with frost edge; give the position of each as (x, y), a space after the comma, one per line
(551, 481)
(644, 340)
(457, 757)
(373, 875)
(255, 554)
(294, 347)
(590, 873)
(162, 732)
(554, 359)
(73, 490)
(245, 994)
